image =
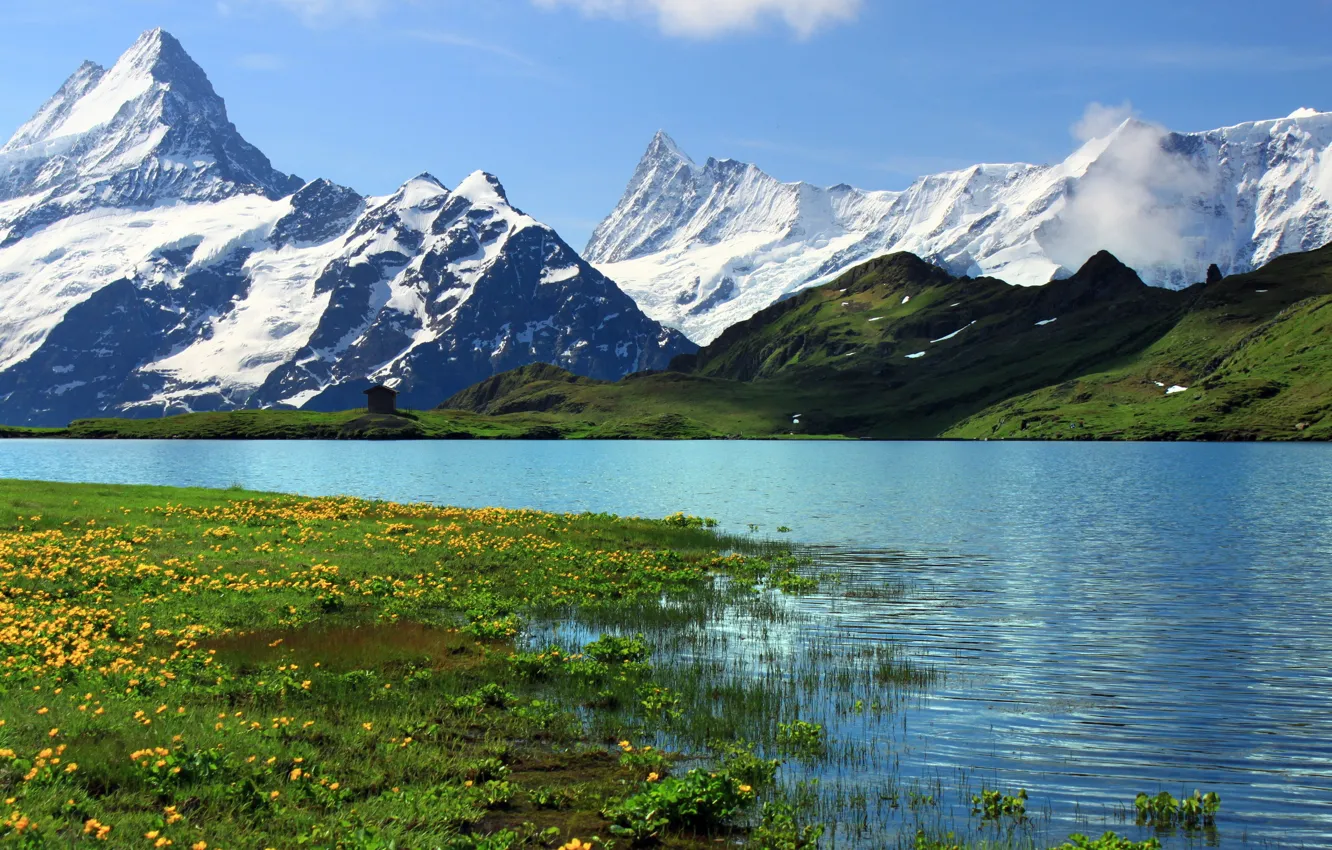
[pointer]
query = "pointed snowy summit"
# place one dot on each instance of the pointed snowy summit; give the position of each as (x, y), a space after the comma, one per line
(663, 148)
(150, 129)
(482, 188)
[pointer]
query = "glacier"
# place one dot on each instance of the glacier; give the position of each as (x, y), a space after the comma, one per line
(702, 247)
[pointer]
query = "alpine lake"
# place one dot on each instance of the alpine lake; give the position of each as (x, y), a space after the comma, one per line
(1081, 622)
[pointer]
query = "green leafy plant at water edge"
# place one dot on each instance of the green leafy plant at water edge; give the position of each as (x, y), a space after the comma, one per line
(661, 702)
(554, 799)
(924, 841)
(647, 762)
(506, 839)
(739, 759)
(538, 666)
(993, 805)
(788, 581)
(1164, 811)
(800, 737)
(683, 520)
(700, 800)
(610, 649)
(1108, 841)
(781, 830)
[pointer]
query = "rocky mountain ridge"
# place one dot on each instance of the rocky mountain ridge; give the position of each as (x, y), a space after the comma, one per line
(152, 261)
(701, 247)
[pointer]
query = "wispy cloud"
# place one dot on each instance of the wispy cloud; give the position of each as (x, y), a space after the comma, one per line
(315, 12)
(516, 60)
(686, 18)
(711, 18)
(1099, 120)
(261, 62)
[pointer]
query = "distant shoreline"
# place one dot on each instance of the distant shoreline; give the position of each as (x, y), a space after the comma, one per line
(462, 425)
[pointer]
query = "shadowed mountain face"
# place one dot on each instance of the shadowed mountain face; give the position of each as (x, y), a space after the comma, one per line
(152, 261)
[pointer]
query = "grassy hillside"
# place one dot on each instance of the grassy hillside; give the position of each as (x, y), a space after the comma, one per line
(896, 348)
(1254, 352)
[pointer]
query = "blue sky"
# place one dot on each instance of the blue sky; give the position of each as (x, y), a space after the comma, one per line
(560, 97)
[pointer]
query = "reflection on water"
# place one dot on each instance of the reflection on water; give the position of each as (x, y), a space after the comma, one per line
(1107, 619)
(1088, 688)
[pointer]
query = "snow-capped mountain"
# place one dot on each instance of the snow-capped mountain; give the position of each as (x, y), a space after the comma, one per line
(153, 261)
(701, 247)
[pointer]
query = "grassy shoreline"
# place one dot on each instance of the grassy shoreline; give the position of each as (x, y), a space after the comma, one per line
(460, 425)
(255, 670)
(409, 425)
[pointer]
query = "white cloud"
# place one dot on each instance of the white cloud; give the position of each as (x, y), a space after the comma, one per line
(316, 12)
(708, 18)
(1132, 201)
(1100, 120)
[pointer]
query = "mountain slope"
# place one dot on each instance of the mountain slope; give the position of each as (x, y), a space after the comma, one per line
(898, 348)
(152, 261)
(1251, 360)
(701, 247)
(894, 348)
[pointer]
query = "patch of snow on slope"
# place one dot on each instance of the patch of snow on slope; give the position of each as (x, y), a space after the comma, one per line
(951, 335)
(274, 320)
(1045, 322)
(45, 274)
(549, 275)
(1176, 389)
(125, 82)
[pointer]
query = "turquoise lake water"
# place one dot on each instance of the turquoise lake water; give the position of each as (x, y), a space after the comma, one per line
(1108, 618)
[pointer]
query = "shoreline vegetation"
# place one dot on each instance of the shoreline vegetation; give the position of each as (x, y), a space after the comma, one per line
(899, 349)
(438, 425)
(227, 669)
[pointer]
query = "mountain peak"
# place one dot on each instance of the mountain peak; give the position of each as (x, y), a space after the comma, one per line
(1104, 271)
(483, 189)
(663, 148)
(150, 128)
(92, 97)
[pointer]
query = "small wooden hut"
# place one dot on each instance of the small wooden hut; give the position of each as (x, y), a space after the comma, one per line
(382, 399)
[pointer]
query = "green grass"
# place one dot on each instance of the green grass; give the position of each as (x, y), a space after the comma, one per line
(1253, 349)
(1255, 353)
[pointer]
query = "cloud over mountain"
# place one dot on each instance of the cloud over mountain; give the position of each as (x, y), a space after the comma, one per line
(710, 18)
